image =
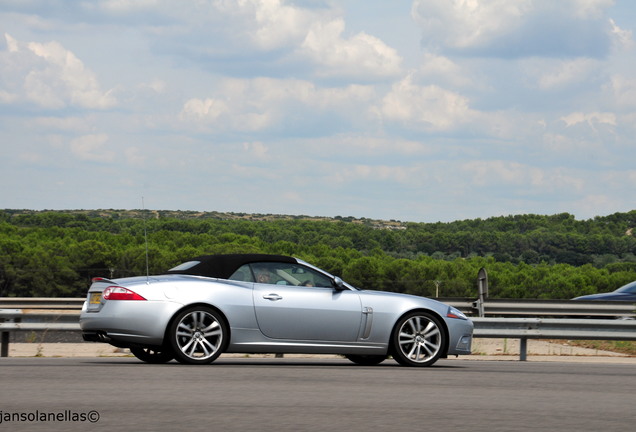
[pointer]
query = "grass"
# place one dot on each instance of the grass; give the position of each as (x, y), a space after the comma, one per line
(623, 347)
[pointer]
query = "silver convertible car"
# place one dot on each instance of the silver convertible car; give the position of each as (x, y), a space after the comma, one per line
(253, 303)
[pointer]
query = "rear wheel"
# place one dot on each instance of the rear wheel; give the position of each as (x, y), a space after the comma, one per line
(198, 335)
(418, 339)
(152, 355)
(366, 360)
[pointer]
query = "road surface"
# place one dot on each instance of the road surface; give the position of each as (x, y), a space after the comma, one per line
(247, 394)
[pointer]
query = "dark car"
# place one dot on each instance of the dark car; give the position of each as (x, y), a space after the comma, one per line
(624, 293)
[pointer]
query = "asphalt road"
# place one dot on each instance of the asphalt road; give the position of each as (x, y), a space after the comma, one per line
(116, 394)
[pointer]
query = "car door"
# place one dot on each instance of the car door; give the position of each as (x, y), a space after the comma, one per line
(296, 304)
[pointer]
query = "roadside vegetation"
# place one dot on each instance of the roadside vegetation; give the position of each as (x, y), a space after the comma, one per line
(623, 347)
(56, 253)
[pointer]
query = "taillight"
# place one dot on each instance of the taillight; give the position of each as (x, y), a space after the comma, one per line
(120, 293)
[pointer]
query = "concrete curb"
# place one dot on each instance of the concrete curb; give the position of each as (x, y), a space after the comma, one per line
(483, 349)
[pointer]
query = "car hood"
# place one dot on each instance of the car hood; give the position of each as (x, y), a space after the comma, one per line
(414, 301)
(610, 296)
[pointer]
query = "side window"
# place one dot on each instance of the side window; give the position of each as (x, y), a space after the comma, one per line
(289, 274)
(310, 278)
(243, 274)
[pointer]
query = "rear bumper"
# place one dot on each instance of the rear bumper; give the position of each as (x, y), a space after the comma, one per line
(128, 323)
(121, 341)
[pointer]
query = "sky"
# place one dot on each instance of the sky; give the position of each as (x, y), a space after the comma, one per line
(420, 111)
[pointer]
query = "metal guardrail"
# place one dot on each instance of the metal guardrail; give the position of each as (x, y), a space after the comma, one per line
(58, 303)
(36, 319)
(17, 326)
(541, 328)
(545, 308)
(62, 314)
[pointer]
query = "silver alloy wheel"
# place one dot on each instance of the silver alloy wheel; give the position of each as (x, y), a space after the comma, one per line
(419, 340)
(199, 335)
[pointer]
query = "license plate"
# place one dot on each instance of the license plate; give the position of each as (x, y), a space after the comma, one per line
(96, 298)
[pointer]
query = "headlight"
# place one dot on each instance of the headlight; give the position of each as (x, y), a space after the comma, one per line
(455, 313)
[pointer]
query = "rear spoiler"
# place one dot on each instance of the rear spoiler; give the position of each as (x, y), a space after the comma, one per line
(103, 280)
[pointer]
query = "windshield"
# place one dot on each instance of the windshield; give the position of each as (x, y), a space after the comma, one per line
(351, 287)
(185, 266)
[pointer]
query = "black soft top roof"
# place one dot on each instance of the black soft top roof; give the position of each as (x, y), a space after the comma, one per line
(223, 266)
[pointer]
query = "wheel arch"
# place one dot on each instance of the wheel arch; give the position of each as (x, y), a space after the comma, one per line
(435, 314)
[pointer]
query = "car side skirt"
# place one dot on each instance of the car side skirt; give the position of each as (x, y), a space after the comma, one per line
(252, 341)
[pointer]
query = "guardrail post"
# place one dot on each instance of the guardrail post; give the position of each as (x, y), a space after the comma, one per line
(482, 278)
(4, 346)
(523, 349)
(4, 351)
(8, 316)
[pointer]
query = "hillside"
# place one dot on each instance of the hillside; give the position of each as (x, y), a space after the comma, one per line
(534, 256)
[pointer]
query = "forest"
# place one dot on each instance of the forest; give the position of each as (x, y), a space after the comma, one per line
(56, 253)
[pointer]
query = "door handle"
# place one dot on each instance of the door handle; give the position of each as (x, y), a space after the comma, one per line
(272, 297)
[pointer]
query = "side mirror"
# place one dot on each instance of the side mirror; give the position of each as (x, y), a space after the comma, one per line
(338, 284)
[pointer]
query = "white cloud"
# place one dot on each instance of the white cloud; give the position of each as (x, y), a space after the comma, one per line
(551, 74)
(362, 55)
(263, 103)
(50, 76)
(271, 33)
(622, 91)
(586, 9)
(530, 180)
(425, 107)
(592, 119)
(277, 22)
(518, 28)
(623, 39)
(443, 69)
(204, 109)
(91, 148)
(269, 24)
(405, 175)
(468, 23)
(123, 6)
(157, 86)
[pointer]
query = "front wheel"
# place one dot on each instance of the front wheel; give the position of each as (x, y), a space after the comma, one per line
(418, 339)
(198, 335)
(152, 355)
